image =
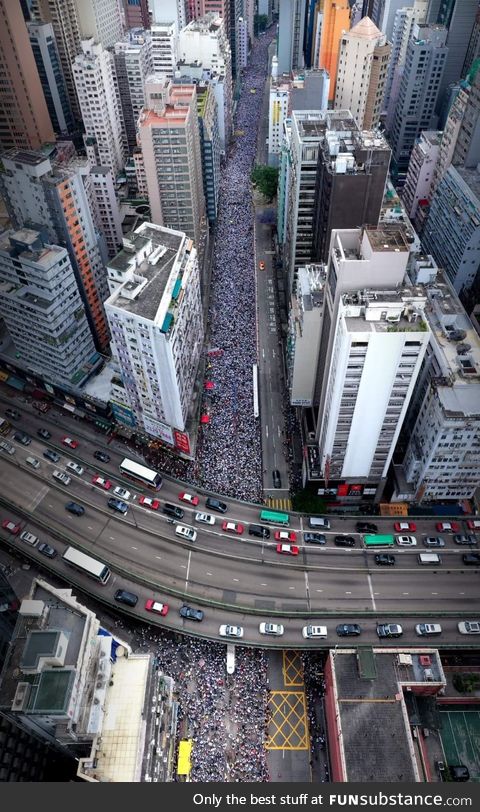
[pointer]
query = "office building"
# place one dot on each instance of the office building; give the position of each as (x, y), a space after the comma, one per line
(418, 91)
(137, 14)
(24, 118)
(54, 197)
(442, 459)
(458, 16)
(105, 207)
(133, 63)
(473, 50)
(278, 105)
(164, 48)
(170, 143)
(361, 73)
(204, 53)
(69, 680)
(383, 13)
(467, 147)
(291, 28)
(100, 20)
(242, 43)
(307, 90)
(170, 11)
(452, 229)
(63, 17)
(449, 137)
(421, 170)
(42, 40)
(404, 20)
(42, 310)
(336, 20)
(155, 316)
(98, 96)
(207, 109)
(304, 333)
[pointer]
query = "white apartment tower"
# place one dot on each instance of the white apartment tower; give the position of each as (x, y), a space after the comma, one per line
(362, 72)
(155, 317)
(100, 20)
(421, 170)
(277, 114)
(42, 309)
(94, 75)
(164, 48)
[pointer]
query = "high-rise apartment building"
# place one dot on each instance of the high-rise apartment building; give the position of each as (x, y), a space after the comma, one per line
(155, 316)
(170, 142)
(105, 207)
(24, 118)
(291, 31)
(421, 170)
(458, 16)
(98, 96)
(473, 50)
(54, 197)
(452, 229)
(210, 147)
(383, 13)
(361, 74)
(171, 11)
(304, 333)
(133, 63)
(137, 14)
(204, 53)
(42, 310)
(164, 48)
(336, 20)
(100, 20)
(42, 40)
(404, 20)
(467, 147)
(418, 92)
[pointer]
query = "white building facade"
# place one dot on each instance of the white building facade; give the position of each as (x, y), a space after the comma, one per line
(421, 170)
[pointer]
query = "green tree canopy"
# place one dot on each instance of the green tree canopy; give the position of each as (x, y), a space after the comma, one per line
(265, 179)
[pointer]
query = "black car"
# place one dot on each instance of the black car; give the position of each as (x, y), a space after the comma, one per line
(259, 531)
(122, 596)
(385, 559)
(47, 550)
(173, 511)
(344, 541)
(215, 504)
(459, 772)
(189, 613)
(472, 559)
(44, 434)
(51, 455)
(367, 527)
(22, 438)
(73, 507)
(102, 456)
(314, 538)
(12, 413)
(277, 481)
(348, 630)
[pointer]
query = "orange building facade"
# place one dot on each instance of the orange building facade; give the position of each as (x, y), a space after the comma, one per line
(336, 18)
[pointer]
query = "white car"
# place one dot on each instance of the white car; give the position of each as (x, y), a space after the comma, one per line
(428, 628)
(29, 538)
(62, 477)
(122, 493)
(75, 467)
(406, 541)
(205, 518)
(230, 631)
(274, 629)
(469, 627)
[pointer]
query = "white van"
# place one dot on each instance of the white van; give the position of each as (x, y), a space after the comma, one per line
(62, 477)
(316, 522)
(314, 631)
(429, 558)
(75, 467)
(29, 538)
(186, 532)
(33, 462)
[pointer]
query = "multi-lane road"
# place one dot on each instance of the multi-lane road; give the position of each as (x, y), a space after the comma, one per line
(236, 579)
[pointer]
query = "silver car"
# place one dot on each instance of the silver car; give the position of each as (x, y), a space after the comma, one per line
(205, 518)
(230, 631)
(273, 629)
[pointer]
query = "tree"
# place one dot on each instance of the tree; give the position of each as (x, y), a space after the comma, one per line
(259, 23)
(265, 179)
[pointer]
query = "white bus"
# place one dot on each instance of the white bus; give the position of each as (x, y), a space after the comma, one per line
(85, 563)
(141, 474)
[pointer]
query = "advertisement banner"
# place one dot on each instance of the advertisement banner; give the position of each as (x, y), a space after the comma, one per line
(182, 441)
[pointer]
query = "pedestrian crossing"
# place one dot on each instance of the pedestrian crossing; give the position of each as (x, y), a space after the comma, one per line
(280, 504)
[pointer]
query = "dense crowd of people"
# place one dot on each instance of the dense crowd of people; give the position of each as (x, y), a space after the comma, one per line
(224, 714)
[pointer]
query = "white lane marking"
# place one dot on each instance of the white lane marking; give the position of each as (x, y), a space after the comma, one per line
(263, 584)
(319, 590)
(291, 587)
(188, 568)
(183, 566)
(405, 593)
(112, 538)
(273, 353)
(434, 593)
(159, 557)
(266, 430)
(237, 580)
(278, 429)
(348, 593)
(134, 548)
(263, 353)
(209, 573)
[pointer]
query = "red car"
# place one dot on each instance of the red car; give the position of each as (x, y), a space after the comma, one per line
(473, 524)
(233, 527)
(68, 441)
(287, 549)
(12, 528)
(261, 265)
(101, 482)
(400, 527)
(147, 501)
(285, 535)
(187, 497)
(448, 527)
(158, 608)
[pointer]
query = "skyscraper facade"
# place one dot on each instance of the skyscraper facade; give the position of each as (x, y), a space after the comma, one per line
(44, 49)
(336, 19)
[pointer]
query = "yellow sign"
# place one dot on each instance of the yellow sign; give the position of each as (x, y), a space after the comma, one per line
(184, 765)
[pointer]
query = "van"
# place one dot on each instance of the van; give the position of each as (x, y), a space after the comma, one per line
(173, 511)
(122, 596)
(62, 477)
(29, 538)
(186, 532)
(75, 467)
(33, 462)
(429, 558)
(309, 632)
(316, 522)
(6, 446)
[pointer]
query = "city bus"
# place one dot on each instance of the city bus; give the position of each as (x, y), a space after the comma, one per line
(272, 517)
(379, 541)
(5, 426)
(86, 564)
(141, 474)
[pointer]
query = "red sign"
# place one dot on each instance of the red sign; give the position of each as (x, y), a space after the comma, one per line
(182, 441)
(342, 490)
(356, 488)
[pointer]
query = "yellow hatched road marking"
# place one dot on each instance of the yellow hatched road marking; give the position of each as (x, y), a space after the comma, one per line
(292, 669)
(288, 727)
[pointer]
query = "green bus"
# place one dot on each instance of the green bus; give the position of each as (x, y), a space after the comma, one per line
(379, 541)
(272, 517)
